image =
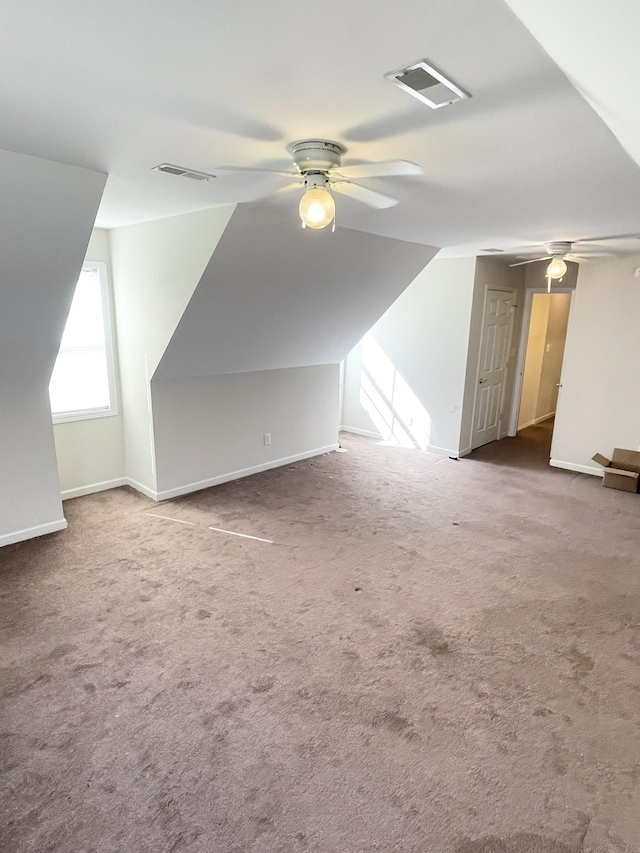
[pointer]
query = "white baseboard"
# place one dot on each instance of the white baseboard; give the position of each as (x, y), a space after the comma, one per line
(442, 451)
(366, 432)
(190, 487)
(167, 494)
(537, 421)
(140, 487)
(32, 532)
(573, 466)
(430, 448)
(464, 452)
(94, 487)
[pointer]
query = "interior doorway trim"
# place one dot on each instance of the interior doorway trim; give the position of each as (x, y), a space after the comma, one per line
(522, 349)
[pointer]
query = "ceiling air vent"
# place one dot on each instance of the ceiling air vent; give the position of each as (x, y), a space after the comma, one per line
(181, 172)
(426, 83)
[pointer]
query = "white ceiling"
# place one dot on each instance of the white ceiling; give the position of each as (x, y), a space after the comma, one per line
(124, 85)
(596, 45)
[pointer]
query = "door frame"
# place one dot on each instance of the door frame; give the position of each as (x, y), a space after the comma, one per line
(512, 290)
(522, 349)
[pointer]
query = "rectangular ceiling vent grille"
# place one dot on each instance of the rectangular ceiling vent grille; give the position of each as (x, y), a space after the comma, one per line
(182, 172)
(426, 83)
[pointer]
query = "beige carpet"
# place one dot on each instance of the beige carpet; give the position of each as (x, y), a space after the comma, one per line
(428, 655)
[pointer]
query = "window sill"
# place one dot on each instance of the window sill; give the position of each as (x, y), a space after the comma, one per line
(84, 415)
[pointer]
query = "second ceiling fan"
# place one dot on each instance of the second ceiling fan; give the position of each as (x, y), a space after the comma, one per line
(560, 251)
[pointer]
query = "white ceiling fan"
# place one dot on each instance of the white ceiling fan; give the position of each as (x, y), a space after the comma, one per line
(562, 250)
(318, 168)
(557, 252)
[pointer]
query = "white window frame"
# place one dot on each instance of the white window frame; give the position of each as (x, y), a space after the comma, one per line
(103, 412)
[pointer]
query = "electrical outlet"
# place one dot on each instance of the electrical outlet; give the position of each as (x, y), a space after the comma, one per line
(267, 438)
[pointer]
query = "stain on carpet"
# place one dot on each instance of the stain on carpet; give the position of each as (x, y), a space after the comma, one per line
(396, 724)
(14, 683)
(581, 662)
(263, 685)
(432, 638)
(557, 757)
(522, 842)
(61, 651)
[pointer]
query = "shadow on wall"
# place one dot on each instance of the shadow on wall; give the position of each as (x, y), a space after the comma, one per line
(389, 402)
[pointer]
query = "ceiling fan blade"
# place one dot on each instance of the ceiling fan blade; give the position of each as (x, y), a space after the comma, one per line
(369, 197)
(605, 239)
(251, 169)
(295, 185)
(592, 256)
(532, 261)
(378, 170)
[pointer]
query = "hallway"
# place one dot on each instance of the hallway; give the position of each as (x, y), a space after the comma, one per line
(531, 448)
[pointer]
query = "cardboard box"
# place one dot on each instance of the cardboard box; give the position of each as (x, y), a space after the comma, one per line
(622, 472)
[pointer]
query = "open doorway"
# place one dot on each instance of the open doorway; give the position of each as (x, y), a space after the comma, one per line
(544, 333)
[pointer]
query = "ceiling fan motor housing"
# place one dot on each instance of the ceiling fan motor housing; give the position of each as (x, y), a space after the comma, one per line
(315, 179)
(316, 155)
(558, 248)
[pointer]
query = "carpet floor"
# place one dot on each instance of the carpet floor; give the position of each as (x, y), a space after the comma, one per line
(413, 654)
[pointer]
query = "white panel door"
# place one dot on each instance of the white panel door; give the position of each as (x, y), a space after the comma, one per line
(495, 343)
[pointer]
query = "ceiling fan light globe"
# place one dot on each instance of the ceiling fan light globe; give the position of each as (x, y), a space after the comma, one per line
(317, 208)
(556, 269)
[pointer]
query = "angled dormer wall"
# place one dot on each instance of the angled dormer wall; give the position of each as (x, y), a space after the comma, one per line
(156, 268)
(47, 211)
(231, 325)
(257, 349)
(276, 296)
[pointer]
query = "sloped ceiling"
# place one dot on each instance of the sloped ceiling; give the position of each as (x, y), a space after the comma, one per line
(274, 296)
(596, 45)
(122, 87)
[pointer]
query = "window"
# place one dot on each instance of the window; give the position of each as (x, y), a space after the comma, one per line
(83, 380)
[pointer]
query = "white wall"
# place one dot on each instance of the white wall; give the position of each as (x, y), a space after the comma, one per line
(599, 404)
(405, 380)
(47, 211)
(490, 273)
(210, 429)
(90, 452)
(156, 268)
